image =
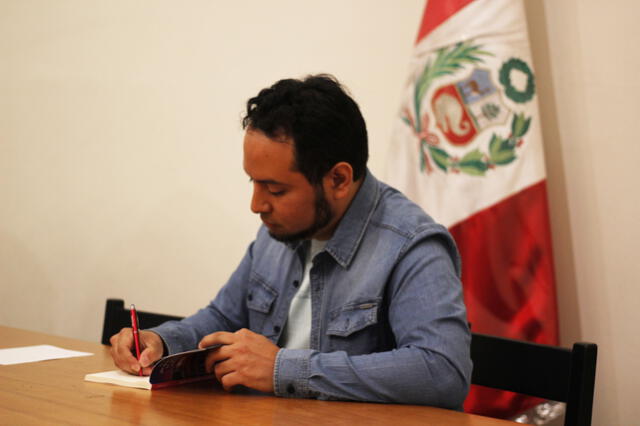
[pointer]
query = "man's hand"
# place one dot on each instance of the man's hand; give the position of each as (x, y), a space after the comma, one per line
(246, 358)
(121, 351)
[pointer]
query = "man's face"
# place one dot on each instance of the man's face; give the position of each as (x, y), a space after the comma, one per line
(289, 206)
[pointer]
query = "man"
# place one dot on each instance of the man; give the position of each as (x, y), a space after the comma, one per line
(349, 291)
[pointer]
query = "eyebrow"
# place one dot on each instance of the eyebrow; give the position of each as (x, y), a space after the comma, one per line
(267, 181)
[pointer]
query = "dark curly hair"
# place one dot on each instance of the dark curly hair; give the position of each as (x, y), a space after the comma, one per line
(324, 122)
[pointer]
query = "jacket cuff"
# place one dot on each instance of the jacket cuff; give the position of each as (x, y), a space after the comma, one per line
(172, 338)
(291, 373)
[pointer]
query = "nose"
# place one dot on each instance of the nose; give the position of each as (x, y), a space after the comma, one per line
(259, 203)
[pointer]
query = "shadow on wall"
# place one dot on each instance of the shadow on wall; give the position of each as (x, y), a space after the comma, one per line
(165, 256)
(26, 293)
(566, 282)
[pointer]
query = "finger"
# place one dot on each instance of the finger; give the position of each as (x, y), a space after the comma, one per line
(125, 353)
(122, 344)
(146, 371)
(209, 363)
(218, 338)
(223, 368)
(122, 338)
(131, 365)
(213, 358)
(221, 353)
(230, 380)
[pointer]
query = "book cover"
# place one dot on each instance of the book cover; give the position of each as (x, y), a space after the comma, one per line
(172, 370)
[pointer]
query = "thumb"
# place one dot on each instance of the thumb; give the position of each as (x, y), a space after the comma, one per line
(149, 355)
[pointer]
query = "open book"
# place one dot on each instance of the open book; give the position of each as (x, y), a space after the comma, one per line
(176, 369)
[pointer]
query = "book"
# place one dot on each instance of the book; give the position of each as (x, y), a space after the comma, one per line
(172, 370)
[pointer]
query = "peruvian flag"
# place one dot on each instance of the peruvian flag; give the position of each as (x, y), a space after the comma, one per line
(467, 147)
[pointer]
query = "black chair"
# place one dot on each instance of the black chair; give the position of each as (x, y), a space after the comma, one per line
(548, 372)
(117, 316)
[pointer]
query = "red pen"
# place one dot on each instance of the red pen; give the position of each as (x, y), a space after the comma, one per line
(136, 334)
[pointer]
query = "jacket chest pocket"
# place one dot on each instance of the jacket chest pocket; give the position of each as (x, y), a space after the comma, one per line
(260, 300)
(354, 328)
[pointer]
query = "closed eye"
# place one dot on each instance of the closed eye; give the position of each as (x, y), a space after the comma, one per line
(273, 187)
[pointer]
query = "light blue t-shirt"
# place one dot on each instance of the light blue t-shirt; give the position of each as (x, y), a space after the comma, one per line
(297, 330)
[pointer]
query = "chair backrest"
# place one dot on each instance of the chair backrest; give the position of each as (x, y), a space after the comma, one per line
(548, 372)
(116, 317)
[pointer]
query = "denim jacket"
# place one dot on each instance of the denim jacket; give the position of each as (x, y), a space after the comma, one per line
(388, 319)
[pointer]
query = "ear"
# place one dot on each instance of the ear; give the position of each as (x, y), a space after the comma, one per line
(338, 180)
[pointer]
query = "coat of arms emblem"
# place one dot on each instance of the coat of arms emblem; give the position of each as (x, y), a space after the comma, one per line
(463, 109)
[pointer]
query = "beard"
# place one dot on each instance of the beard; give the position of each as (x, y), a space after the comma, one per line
(323, 215)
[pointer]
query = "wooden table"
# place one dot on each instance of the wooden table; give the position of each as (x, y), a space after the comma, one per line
(54, 392)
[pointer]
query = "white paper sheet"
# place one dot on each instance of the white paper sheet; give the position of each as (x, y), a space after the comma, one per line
(119, 377)
(36, 353)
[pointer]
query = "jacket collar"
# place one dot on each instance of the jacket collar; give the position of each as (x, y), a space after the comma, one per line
(348, 235)
(350, 230)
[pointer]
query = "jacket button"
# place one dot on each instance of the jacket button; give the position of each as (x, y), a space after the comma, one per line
(276, 329)
(296, 283)
(291, 389)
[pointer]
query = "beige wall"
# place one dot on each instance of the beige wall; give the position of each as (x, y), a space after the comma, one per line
(120, 157)
(588, 64)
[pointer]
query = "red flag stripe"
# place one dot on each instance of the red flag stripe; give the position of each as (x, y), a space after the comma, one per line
(436, 12)
(508, 282)
(507, 268)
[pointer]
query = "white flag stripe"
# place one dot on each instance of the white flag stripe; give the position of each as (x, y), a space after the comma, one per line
(448, 196)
